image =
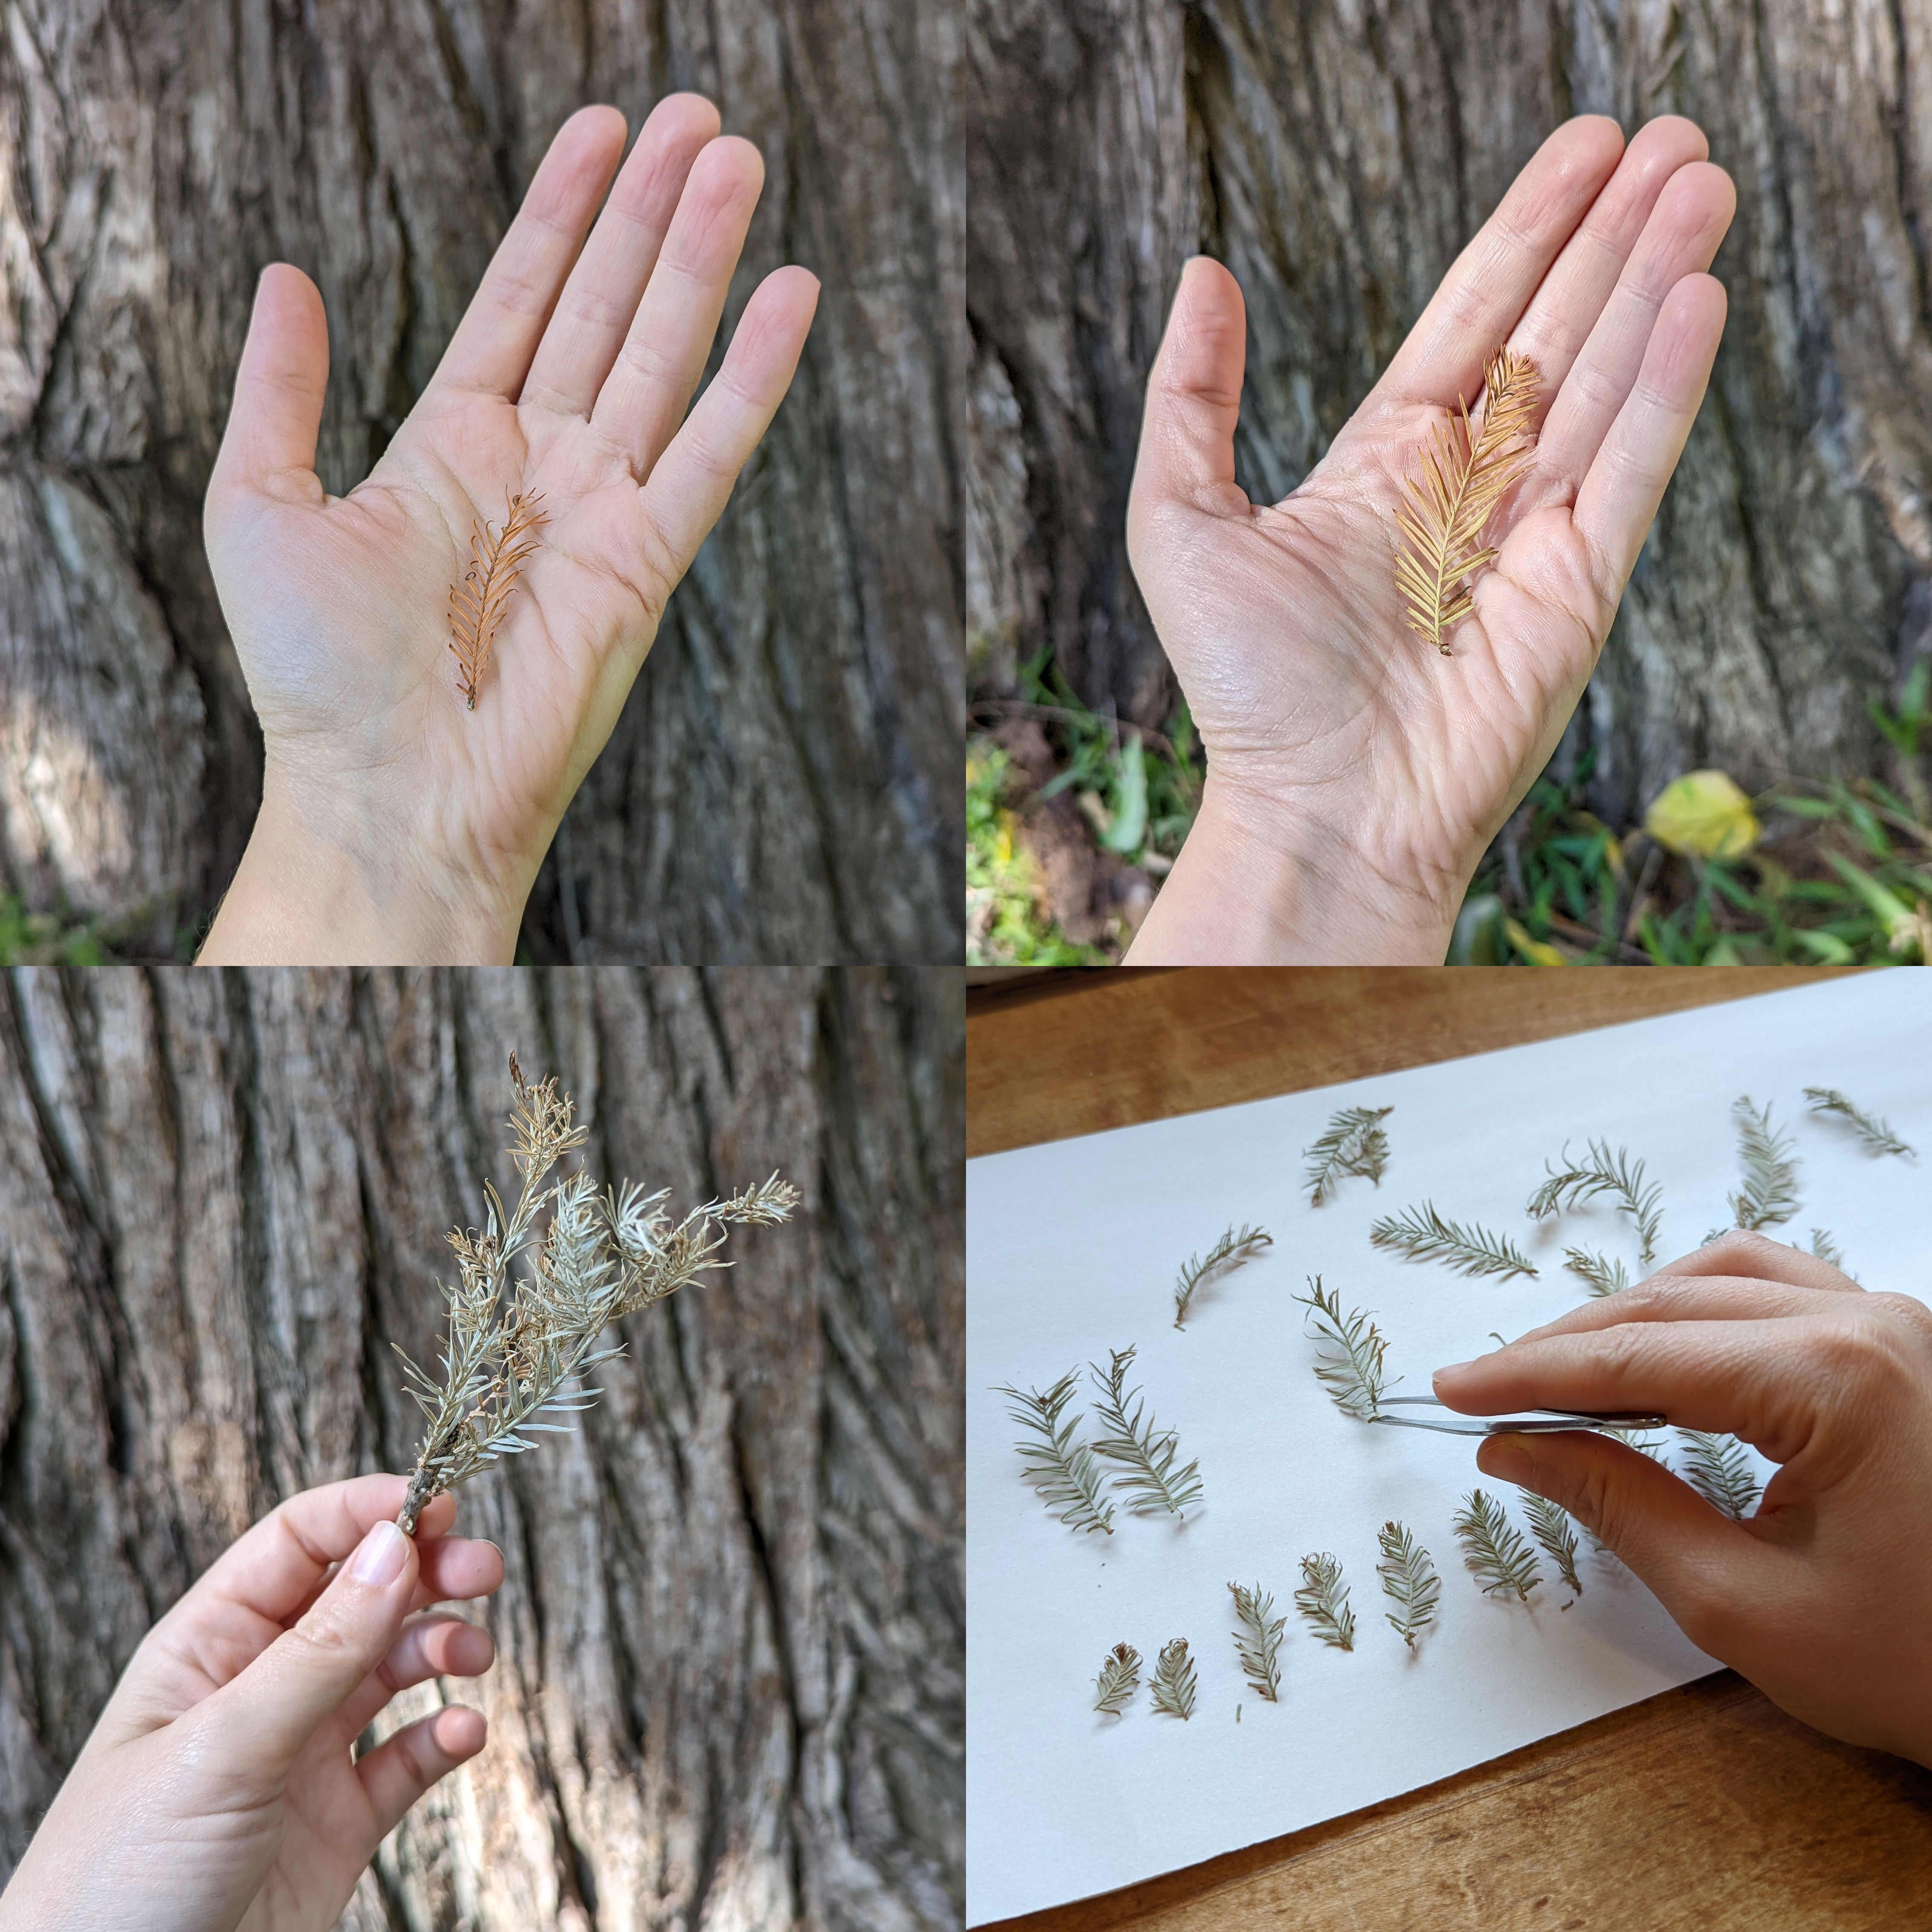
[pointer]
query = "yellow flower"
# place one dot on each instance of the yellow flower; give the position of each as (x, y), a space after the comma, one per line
(1705, 814)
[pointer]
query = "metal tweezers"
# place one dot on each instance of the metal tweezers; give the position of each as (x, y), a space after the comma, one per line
(1537, 1422)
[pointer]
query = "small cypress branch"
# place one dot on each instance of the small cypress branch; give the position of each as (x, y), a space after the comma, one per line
(1424, 1235)
(1494, 1549)
(1600, 1276)
(1354, 1142)
(1323, 1601)
(1550, 1526)
(1232, 1248)
(1119, 1677)
(1258, 1640)
(1066, 1475)
(1146, 1455)
(1173, 1682)
(1874, 1136)
(516, 1349)
(1717, 1468)
(1409, 1581)
(1769, 1195)
(1605, 1171)
(1352, 1369)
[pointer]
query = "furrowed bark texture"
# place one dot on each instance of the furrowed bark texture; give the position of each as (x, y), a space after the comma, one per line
(784, 783)
(728, 1690)
(1339, 154)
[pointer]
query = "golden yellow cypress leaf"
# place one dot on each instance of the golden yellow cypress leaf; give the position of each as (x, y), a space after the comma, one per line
(1462, 475)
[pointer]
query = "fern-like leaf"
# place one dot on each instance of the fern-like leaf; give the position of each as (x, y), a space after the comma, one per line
(1258, 1640)
(1323, 1601)
(1493, 1548)
(1232, 1248)
(1605, 1170)
(1146, 1455)
(1409, 1582)
(1827, 1249)
(1354, 1142)
(1351, 1369)
(1066, 1477)
(1461, 477)
(1173, 1680)
(477, 604)
(1874, 1136)
(1550, 1524)
(1119, 1677)
(1601, 1275)
(1769, 1195)
(1424, 1235)
(1716, 1467)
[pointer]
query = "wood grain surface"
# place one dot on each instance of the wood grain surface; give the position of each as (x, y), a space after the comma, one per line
(1706, 1807)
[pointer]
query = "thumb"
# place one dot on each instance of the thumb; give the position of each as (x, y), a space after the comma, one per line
(298, 1684)
(269, 444)
(1696, 1562)
(1193, 399)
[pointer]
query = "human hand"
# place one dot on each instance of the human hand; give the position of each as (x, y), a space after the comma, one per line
(1355, 775)
(396, 825)
(1820, 1598)
(218, 1789)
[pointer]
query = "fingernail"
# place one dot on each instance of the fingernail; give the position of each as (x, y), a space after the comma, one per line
(1449, 1368)
(1508, 1461)
(379, 1558)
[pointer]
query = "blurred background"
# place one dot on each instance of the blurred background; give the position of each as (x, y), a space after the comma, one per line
(729, 1685)
(1774, 649)
(783, 783)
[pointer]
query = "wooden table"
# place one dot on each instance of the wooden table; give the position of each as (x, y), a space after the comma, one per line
(1706, 1807)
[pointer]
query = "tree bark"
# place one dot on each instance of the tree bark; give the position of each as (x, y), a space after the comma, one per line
(784, 784)
(1341, 151)
(728, 1690)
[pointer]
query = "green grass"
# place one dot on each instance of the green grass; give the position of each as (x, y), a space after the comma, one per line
(1842, 874)
(46, 939)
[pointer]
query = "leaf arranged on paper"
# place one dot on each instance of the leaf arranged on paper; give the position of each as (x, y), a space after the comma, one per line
(1550, 1524)
(1604, 1170)
(1717, 1468)
(1769, 1195)
(1066, 1475)
(1145, 1455)
(1601, 1276)
(1230, 1250)
(1119, 1677)
(1874, 1136)
(1494, 1549)
(1173, 1680)
(1424, 1235)
(1461, 475)
(1351, 1369)
(1354, 1142)
(1258, 1640)
(1323, 1601)
(1409, 1582)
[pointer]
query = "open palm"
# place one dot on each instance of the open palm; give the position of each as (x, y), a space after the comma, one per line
(1345, 753)
(568, 377)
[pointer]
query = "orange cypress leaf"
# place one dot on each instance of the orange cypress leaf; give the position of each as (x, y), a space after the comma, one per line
(477, 604)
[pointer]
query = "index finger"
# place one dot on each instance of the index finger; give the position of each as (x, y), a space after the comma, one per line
(1763, 1382)
(1489, 285)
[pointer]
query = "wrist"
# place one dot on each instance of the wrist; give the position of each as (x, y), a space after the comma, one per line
(320, 885)
(1264, 881)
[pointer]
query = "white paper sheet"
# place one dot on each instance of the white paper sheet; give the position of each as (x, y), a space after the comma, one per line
(1073, 1249)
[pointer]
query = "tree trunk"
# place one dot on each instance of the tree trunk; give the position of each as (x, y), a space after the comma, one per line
(728, 1689)
(1341, 152)
(784, 783)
